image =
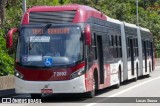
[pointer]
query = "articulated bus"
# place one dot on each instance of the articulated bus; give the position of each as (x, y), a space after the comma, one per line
(95, 51)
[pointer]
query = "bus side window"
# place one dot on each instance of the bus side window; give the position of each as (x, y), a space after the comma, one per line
(110, 40)
(107, 40)
(112, 37)
(120, 47)
(95, 46)
(116, 46)
(128, 47)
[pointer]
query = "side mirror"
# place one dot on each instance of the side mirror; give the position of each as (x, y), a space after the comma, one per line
(87, 34)
(9, 38)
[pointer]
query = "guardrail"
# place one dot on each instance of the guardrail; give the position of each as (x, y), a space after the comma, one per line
(7, 83)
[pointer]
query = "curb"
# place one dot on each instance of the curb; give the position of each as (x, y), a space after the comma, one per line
(7, 92)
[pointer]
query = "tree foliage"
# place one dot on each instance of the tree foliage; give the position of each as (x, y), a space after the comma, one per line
(124, 10)
(6, 62)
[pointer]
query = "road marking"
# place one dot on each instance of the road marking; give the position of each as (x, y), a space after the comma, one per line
(142, 83)
(91, 104)
(123, 91)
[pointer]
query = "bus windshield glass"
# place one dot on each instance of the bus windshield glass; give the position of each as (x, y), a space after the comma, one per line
(49, 46)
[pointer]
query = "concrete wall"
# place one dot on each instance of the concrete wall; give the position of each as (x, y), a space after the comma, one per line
(157, 61)
(6, 82)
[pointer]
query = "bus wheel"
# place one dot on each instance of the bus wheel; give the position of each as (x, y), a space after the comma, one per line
(91, 94)
(136, 78)
(150, 69)
(36, 96)
(148, 75)
(119, 80)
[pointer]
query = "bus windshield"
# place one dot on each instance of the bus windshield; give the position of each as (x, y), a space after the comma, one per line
(49, 46)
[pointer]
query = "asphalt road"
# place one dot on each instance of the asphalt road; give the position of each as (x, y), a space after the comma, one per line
(131, 93)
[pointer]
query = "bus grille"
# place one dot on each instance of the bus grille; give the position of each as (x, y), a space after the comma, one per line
(60, 17)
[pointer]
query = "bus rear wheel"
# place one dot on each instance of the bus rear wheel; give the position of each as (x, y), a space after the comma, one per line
(136, 78)
(119, 80)
(150, 69)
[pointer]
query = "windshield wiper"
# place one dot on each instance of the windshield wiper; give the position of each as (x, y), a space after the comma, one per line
(43, 29)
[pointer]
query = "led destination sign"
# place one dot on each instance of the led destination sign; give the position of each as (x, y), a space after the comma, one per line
(51, 31)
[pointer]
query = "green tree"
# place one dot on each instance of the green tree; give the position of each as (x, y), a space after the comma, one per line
(6, 62)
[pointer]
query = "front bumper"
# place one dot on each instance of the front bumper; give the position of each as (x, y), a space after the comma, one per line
(76, 85)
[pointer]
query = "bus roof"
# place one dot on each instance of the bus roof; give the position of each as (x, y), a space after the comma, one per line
(60, 8)
(82, 12)
(130, 25)
(113, 20)
(144, 29)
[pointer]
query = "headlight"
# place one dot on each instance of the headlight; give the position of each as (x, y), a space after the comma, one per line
(78, 73)
(18, 74)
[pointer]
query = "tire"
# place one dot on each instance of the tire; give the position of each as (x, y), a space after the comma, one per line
(148, 75)
(36, 96)
(136, 78)
(150, 69)
(119, 80)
